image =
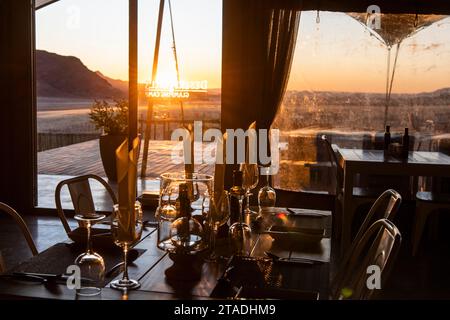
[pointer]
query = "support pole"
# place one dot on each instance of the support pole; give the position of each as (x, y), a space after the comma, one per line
(150, 101)
(132, 72)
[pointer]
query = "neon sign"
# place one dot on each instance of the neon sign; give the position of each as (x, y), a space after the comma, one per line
(180, 90)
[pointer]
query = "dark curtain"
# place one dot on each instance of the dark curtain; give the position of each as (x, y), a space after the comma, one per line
(259, 39)
(258, 46)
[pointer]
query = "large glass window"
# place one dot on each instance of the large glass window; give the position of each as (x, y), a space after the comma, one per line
(337, 87)
(82, 57)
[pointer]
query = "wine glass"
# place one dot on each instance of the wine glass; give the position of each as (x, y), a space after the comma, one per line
(219, 213)
(91, 264)
(240, 233)
(249, 182)
(126, 228)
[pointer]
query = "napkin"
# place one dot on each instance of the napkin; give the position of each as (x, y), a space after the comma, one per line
(126, 162)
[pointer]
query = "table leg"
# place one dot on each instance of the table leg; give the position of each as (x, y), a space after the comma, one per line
(347, 209)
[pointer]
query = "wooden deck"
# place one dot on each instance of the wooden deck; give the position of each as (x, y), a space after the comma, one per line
(78, 159)
(83, 158)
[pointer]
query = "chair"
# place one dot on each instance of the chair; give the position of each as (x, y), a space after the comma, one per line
(23, 227)
(81, 195)
(360, 196)
(382, 251)
(385, 207)
(427, 203)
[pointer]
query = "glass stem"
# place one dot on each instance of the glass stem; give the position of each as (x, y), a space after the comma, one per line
(213, 239)
(247, 205)
(240, 210)
(125, 263)
(89, 241)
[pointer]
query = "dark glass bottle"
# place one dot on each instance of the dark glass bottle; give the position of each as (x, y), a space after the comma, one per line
(405, 143)
(387, 139)
(237, 193)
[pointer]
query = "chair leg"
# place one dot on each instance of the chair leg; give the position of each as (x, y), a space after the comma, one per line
(422, 213)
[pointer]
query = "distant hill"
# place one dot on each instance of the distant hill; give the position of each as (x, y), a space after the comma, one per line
(67, 77)
(118, 84)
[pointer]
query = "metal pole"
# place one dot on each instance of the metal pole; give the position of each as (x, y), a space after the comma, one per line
(133, 72)
(150, 101)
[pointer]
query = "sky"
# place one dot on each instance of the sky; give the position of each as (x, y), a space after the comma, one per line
(336, 54)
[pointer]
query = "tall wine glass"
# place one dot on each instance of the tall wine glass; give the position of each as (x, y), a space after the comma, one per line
(249, 182)
(240, 232)
(219, 212)
(91, 264)
(126, 229)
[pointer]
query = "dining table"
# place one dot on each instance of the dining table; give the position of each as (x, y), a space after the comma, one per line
(309, 276)
(365, 162)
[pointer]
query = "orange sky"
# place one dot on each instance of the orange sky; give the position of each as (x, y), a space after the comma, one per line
(337, 55)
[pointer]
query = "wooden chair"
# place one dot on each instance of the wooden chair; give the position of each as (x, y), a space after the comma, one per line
(378, 247)
(81, 195)
(427, 203)
(23, 227)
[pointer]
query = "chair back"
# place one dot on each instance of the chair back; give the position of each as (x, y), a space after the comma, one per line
(81, 195)
(385, 207)
(368, 270)
(23, 227)
(335, 168)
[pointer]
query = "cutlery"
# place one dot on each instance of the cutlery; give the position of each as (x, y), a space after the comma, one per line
(292, 260)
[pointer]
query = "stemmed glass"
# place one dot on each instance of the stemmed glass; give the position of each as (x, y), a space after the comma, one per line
(91, 264)
(240, 232)
(249, 182)
(126, 229)
(219, 212)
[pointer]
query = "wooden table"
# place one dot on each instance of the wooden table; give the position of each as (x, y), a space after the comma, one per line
(149, 269)
(353, 161)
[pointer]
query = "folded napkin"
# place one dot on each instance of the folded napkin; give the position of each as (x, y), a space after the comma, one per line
(126, 161)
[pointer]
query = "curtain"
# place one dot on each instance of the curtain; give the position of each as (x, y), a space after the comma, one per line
(259, 39)
(258, 45)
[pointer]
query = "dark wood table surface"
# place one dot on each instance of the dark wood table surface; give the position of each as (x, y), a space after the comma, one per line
(150, 268)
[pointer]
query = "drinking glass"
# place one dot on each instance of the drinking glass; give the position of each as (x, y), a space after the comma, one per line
(91, 264)
(219, 213)
(126, 228)
(240, 232)
(249, 182)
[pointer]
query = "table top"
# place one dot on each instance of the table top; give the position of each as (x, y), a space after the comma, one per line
(151, 265)
(414, 157)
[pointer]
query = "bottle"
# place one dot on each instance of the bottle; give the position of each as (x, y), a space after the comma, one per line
(387, 139)
(266, 196)
(185, 232)
(405, 143)
(237, 193)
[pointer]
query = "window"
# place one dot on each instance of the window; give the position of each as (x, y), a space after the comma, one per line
(82, 56)
(337, 87)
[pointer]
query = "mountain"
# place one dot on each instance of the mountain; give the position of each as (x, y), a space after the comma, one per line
(118, 84)
(67, 77)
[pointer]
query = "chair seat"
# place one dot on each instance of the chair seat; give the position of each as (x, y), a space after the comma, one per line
(428, 196)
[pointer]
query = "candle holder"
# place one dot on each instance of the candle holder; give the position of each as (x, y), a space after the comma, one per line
(183, 228)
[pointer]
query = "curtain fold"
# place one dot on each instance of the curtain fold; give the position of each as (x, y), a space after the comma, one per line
(259, 40)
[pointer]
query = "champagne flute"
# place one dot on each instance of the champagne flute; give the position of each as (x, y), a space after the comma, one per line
(126, 229)
(250, 173)
(91, 264)
(219, 213)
